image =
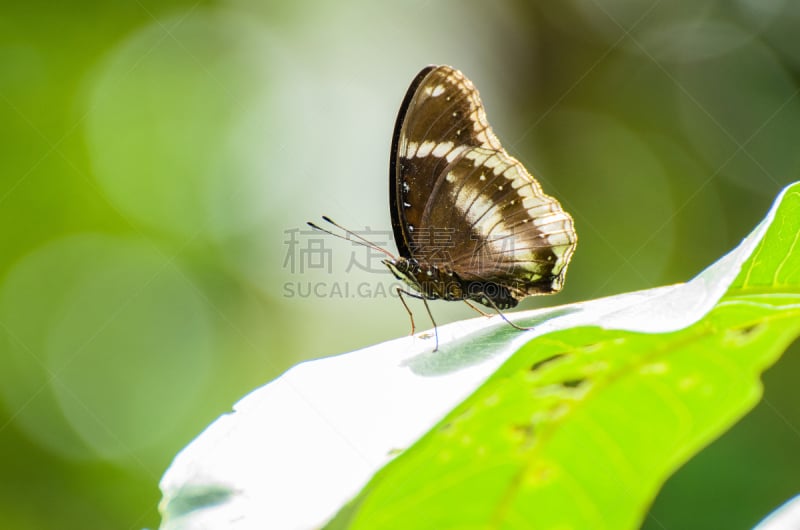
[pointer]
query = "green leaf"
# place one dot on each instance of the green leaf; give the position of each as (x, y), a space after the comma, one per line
(574, 424)
(580, 427)
(774, 267)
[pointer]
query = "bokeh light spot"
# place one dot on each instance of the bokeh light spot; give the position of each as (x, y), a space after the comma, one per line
(177, 121)
(733, 107)
(631, 183)
(111, 333)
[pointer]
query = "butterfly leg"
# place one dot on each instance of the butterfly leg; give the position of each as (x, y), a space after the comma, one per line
(478, 309)
(521, 328)
(400, 293)
(435, 328)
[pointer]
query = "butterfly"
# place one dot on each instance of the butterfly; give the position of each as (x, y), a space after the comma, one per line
(470, 223)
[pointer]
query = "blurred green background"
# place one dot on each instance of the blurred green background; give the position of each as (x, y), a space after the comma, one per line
(159, 161)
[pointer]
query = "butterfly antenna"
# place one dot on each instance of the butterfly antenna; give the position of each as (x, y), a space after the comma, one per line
(349, 232)
(359, 239)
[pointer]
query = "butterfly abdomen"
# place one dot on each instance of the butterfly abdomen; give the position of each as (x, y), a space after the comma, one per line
(491, 294)
(435, 283)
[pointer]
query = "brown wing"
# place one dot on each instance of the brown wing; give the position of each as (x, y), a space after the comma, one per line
(441, 115)
(460, 202)
(506, 230)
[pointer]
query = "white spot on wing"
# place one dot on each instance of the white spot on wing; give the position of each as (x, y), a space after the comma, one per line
(456, 152)
(536, 206)
(442, 149)
(559, 240)
(425, 149)
(493, 162)
(549, 219)
(478, 156)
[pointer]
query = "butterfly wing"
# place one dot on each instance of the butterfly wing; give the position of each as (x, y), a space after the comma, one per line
(441, 115)
(508, 231)
(460, 202)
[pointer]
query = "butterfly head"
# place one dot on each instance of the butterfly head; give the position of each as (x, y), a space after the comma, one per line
(404, 269)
